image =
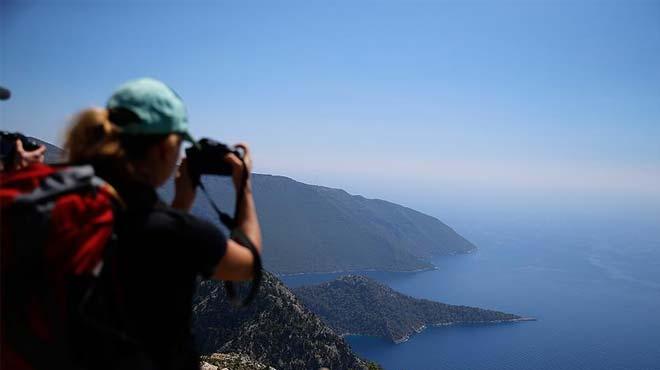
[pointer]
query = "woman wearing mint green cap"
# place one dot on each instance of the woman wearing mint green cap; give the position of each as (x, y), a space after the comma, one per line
(134, 144)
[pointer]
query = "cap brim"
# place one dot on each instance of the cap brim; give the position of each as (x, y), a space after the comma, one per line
(187, 137)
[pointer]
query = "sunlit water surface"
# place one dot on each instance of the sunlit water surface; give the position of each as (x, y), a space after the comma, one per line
(593, 285)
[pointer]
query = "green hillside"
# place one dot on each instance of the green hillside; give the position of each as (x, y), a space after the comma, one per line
(310, 228)
(359, 305)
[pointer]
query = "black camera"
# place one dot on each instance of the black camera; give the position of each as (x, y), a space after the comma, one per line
(207, 158)
(8, 145)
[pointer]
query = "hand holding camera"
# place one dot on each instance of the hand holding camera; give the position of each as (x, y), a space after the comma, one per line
(241, 164)
(209, 157)
(18, 151)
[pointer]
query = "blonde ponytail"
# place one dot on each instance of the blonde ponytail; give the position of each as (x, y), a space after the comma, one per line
(92, 138)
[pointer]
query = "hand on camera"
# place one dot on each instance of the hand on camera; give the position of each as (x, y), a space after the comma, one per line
(237, 165)
(24, 158)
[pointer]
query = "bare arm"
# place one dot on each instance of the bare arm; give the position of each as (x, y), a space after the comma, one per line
(237, 263)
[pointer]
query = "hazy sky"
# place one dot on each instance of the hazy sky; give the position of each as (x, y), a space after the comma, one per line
(412, 101)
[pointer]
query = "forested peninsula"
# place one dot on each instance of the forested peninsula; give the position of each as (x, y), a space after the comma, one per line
(357, 305)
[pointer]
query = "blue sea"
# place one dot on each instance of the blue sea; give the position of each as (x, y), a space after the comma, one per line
(591, 280)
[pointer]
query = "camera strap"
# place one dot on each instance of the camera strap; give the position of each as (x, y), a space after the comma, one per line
(239, 236)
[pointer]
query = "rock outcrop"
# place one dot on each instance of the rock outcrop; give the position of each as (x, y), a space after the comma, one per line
(276, 329)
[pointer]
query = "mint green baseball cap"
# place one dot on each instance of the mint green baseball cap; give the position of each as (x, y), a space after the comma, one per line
(159, 108)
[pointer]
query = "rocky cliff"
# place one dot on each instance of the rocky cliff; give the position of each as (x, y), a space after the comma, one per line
(276, 329)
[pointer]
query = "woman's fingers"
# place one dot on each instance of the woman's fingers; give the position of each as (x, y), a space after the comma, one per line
(25, 158)
(247, 158)
(39, 152)
(182, 169)
(233, 160)
(244, 146)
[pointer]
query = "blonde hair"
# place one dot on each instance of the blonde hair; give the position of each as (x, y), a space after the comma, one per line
(92, 138)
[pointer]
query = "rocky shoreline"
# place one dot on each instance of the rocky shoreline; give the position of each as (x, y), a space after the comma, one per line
(353, 272)
(420, 329)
